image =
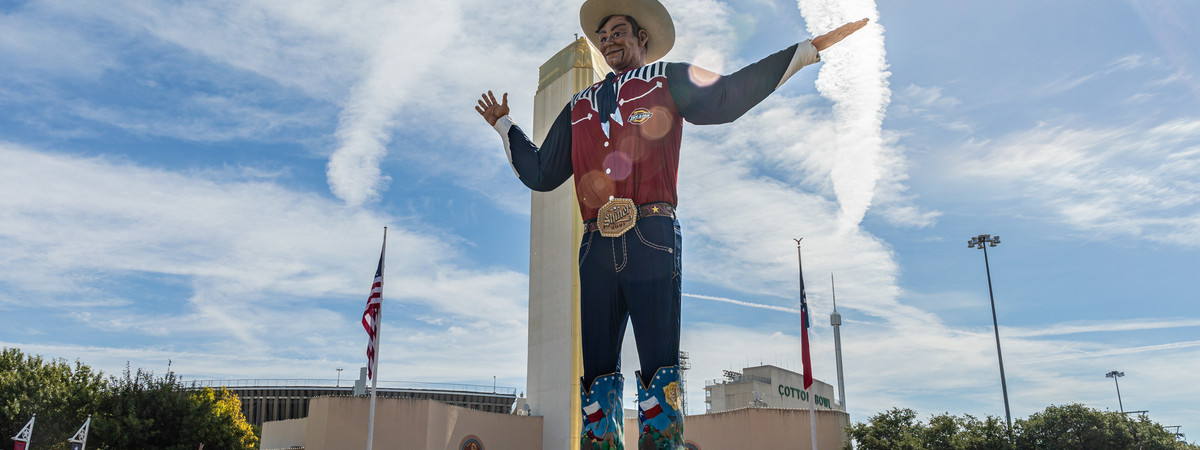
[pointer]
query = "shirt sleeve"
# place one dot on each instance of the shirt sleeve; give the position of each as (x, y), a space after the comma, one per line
(729, 97)
(541, 169)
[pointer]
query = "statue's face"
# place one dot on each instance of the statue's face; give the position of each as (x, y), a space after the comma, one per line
(622, 48)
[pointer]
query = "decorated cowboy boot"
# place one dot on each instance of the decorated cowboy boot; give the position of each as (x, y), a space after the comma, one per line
(603, 416)
(660, 417)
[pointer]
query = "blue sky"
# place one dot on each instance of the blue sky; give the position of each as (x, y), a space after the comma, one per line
(207, 183)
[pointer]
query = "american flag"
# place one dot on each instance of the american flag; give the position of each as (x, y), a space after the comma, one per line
(370, 318)
(804, 319)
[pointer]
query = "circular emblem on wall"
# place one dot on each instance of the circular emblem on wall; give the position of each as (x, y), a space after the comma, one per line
(471, 443)
(689, 445)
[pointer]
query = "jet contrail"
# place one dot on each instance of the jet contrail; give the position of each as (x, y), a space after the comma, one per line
(393, 71)
(744, 303)
(855, 77)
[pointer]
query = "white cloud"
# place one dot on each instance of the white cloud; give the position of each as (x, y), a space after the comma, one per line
(1069, 82)
(398, 66)
(68, 53)
(1101, 327)
(245, 266)
(1130, 181)
(854, 76)
(215, 119)
(928, 96)
(314, 46)
(704, 35)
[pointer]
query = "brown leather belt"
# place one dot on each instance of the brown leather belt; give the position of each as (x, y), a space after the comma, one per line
(645, 210)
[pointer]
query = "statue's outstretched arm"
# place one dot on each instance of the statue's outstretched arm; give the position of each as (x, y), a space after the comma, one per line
(541, 169)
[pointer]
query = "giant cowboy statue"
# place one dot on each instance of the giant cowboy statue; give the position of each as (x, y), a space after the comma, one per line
(620, 139)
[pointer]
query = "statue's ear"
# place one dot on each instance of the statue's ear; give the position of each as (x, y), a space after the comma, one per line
(643, 37)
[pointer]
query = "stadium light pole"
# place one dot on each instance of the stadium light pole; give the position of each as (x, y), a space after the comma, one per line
(1114, 375)
(339, 382)
(982, 242)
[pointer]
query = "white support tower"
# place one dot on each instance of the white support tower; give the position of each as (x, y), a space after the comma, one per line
(81, 435)
(556, 227)
(835, 319)
(685, 364)
(26, 433)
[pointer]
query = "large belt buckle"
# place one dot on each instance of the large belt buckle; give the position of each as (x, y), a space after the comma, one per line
(616, 217)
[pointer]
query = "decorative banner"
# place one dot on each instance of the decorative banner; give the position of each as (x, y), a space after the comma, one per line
(25, 435)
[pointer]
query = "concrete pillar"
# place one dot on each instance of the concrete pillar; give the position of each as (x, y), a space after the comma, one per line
(555, 363)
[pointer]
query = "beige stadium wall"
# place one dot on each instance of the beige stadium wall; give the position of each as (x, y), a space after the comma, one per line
(336, 423)
(283, 434)
(756, 428)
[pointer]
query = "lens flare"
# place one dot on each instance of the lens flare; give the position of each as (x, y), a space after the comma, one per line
(659, 124)
(618, 165)
(702, 77)
(595, 188)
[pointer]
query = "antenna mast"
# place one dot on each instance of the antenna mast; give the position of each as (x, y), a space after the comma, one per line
(835, 319)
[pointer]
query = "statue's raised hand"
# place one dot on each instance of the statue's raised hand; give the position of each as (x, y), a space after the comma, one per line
(490, 109)
(827, 40)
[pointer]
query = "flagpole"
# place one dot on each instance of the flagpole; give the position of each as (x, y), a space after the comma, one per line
(375, 361)
(812, 409)
(812, 418)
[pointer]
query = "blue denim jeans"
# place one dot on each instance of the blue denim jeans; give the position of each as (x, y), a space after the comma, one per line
(632, 278)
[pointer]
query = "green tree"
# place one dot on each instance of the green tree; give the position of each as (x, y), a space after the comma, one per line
(144, 411)
(944, 432)
(895, 429)
(60, 394)
(986, 434)
(900, 429)
(220, 412)
(1066, 427)
(1076, 426)
(135, 411)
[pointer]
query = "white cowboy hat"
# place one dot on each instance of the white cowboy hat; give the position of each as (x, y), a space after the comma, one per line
(649, 14)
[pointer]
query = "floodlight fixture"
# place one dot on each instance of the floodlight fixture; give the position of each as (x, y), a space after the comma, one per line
(1114, 375)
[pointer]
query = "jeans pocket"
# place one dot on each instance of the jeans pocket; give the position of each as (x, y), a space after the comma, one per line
(648, 239)
(678, 249)
(585, 247)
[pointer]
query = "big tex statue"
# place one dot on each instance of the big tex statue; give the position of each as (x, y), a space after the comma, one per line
(620, 139)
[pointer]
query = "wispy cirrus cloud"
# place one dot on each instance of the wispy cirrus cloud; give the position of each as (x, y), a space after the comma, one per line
(1134, 180)
(1070, 82)
(1101, 327)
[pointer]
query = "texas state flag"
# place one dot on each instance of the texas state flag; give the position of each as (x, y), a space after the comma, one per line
(593, 413)
(650, 408)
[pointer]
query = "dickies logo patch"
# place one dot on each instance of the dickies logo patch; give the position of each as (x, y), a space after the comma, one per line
(639, 116)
